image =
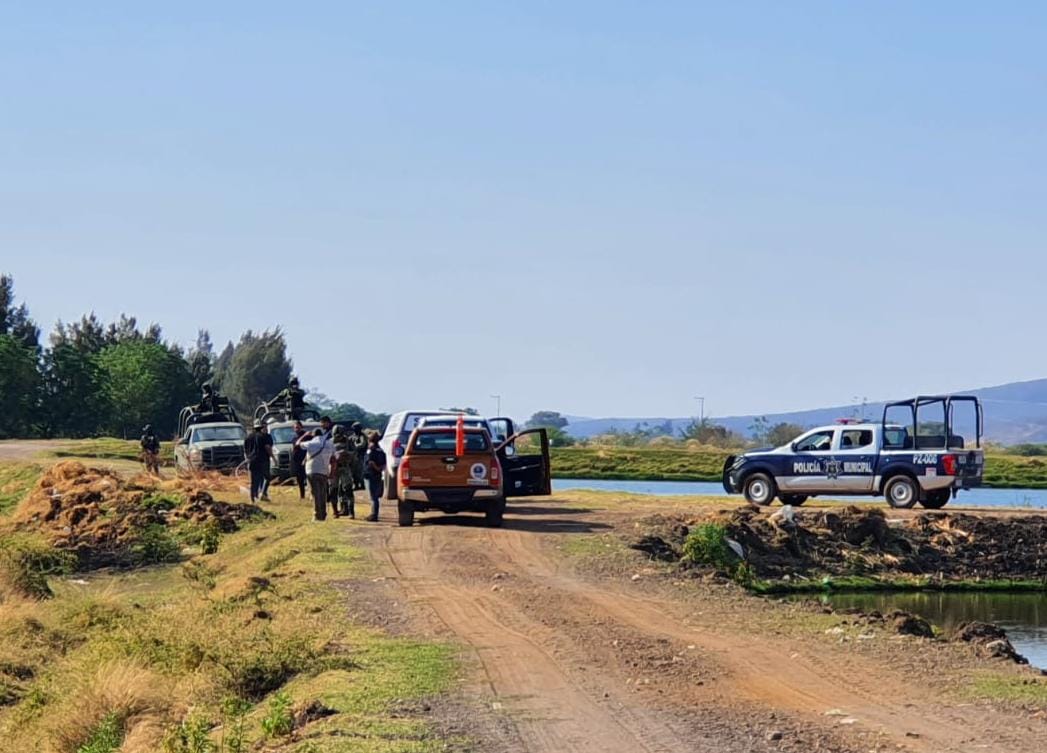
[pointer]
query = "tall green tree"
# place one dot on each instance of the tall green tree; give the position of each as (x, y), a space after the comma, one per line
(15, 320)
(19, 387)
(202, 359)
(74, 401)
(144, 383)
(87, 335)
(253, 370)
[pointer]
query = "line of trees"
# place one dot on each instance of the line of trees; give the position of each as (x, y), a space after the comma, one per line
(95, 379)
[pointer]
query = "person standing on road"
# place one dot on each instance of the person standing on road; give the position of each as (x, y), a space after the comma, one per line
(318, 454)
(358, 445)
(258, 449)
(150, 450)
(343, 501)
(298, 458)
(375, 474)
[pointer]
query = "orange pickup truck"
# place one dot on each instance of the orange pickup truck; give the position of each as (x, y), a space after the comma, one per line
(434, 476)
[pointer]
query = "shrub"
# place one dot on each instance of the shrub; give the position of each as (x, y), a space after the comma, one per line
(706, 544)
(191, 736)
(279, 721)
(106, 737)
(155, 545)
(26, 563)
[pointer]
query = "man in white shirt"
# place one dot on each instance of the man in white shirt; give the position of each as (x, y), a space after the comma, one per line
(318, 453)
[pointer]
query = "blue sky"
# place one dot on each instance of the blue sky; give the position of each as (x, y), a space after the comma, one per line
(597, 208)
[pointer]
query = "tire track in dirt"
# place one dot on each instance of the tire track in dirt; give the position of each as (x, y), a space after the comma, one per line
(552, 713)
(541, 638)
(783, 676)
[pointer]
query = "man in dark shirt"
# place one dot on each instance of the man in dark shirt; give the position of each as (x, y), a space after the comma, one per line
(375, 471)
(150, 450)
(258, 448)
(298, 459)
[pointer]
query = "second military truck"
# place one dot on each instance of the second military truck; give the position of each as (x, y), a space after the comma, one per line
(914, 454)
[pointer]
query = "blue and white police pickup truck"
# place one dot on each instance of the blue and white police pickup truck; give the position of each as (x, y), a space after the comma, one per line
(912, 455)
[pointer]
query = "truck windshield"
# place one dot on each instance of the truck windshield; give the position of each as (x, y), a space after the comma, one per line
(283, 435)
(218, 434)
(443, 442)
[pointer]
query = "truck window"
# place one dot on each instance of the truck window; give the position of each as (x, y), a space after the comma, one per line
(852, 439)
(896, 439)
(821, 440)
(443, 442)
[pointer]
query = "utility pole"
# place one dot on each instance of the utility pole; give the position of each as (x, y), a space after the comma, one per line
(498, 410)
(701, 410)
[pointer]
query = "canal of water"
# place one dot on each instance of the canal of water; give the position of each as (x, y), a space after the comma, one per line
(1033, 499)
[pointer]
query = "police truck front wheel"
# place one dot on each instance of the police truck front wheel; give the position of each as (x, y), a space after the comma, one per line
(936, 500)
(759, 489)
(405, 513)
(793, 499)
(901, 492)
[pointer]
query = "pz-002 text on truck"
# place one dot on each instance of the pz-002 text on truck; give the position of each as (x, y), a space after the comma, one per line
(914, 454)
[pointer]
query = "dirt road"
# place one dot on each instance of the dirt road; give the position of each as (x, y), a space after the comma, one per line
(578, 662)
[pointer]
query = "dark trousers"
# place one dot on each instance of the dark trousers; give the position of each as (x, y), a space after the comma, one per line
(299, 476)
(318, 486)
(259, 476)
(376, 487)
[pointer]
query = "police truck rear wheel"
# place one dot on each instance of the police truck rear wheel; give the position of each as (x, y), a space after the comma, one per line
(936, 500)
(793, 499)
(759, 489)
(901, 492)
(405, 513)
(391, 491)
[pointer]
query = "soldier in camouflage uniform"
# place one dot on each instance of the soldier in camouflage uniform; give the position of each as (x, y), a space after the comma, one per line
(341, 477)
(358, 444)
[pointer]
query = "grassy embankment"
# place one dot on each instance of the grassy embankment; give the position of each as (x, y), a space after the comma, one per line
(208, 654)
(657, 464)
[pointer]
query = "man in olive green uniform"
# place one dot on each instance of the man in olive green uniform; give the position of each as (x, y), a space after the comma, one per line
(358, 444)
(293, 398)
(341, 478)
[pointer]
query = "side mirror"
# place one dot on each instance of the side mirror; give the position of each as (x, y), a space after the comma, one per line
(510, 451)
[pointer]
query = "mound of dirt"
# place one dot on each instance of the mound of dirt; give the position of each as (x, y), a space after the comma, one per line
(988, 640)
(857, 541)
(103, 519)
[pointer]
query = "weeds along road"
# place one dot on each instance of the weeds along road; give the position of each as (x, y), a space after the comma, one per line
(585, 661)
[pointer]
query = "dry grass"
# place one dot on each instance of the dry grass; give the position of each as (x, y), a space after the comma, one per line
(138, 698)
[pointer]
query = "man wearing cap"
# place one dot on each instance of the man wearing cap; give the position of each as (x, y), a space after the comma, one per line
(318, 453)
(258, 449)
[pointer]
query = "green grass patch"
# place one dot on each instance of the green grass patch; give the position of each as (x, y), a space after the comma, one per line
(1024, 690)
(266, 614)
(16, 479)
(110, 448)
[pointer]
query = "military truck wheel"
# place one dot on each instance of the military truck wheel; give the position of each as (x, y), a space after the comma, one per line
(901, 492)
(936, 500)
(793, 499)
(495, 513)
(759, 489)
(405, 514)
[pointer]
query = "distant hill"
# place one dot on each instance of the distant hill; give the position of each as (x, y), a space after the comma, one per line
(1014, 413)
